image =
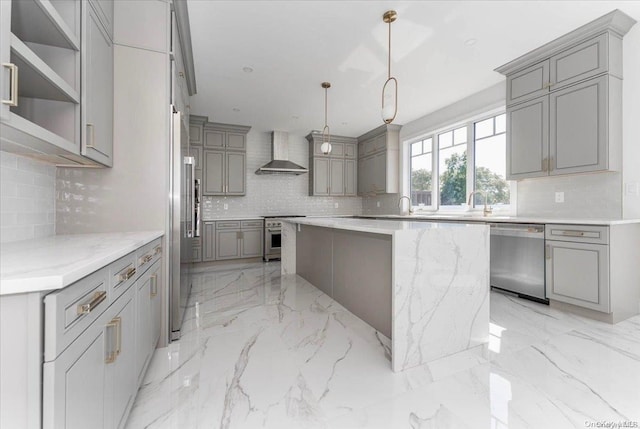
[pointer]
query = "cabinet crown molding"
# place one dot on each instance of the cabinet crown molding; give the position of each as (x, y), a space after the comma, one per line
(385, 128)
(615, 22)
(198, 120)
(243, 129)
(317, 136)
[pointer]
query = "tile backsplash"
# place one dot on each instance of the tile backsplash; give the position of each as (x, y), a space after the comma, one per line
(595, 195)
(27, 205)
(277, 194)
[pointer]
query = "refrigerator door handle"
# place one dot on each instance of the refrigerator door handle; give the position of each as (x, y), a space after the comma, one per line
(190, 193)
(196, 210)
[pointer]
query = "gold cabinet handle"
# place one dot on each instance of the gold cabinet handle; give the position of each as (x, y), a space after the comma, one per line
(573, 233)
(547, 85)
(154, 285)
(113, 354)
(126, 276)
(96, 299)
(548, 251)
(13, 87)
(545, 164)
(551, 163)
(145, 259)
(118, 335)
(158, 250)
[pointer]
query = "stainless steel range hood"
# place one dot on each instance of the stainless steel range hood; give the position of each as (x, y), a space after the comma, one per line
(280, 163)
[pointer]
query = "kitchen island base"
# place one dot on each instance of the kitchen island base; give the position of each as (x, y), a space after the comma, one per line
(425, 286)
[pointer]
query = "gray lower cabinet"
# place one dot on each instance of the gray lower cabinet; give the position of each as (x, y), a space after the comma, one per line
(232, 239)
(208, 238)
(99, 335)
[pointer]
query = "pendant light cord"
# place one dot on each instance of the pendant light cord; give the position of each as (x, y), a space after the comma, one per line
(389, 63)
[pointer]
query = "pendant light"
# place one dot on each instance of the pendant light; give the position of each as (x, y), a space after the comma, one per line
(326, 136)
(389, 95)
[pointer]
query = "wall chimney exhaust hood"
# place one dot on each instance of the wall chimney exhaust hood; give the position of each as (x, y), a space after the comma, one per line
(280, 163)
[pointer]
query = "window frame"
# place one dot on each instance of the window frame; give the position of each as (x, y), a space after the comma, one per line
(434, 134)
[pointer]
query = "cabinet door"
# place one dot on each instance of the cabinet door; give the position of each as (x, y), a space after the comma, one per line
(350, 177)
(214, 139)
(252, 243)
(105, 12)
(214, 174)
(209, 242)
(361, 187)
(528, 139)
(157, 286)
(121, 374)
(379, 172)
(196, 153)
(578, 120)
(143, 323)
(336, 170)
(320, 176)
(350, 151)
(97, 97)
(236, 141)
(74, 384)
(578, 273)
(580, 62)
(228, 244)
(195, 134)
(236, 173)
(5, 58)
(529, 83)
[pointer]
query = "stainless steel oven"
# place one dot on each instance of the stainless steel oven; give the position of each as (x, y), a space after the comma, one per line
(273, 236)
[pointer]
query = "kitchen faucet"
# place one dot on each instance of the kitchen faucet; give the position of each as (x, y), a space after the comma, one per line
(400, 203)
(487, 210)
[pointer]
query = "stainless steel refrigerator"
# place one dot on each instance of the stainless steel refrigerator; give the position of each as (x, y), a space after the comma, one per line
(183, 218)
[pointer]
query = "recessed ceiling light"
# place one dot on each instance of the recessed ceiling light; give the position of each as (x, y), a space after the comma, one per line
(247, 69)
(344, 123)
(235, 109)
(470, 42)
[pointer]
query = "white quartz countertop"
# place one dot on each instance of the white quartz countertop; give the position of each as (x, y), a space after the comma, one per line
(503, 219)
(55, 262)
(371, 225)
(218, 219)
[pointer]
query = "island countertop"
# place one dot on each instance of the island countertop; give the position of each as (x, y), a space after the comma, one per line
(375, 226)
(55, 262)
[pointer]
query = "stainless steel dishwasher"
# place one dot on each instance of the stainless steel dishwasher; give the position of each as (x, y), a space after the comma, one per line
(517, 259)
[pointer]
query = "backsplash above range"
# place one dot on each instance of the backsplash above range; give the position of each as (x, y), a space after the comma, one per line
(277, 194)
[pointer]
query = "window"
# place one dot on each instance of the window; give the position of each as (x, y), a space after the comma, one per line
(448, 165)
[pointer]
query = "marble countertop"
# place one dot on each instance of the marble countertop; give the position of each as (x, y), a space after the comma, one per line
(233, 218)
(503, 219)
(372, 225)
(55, 262)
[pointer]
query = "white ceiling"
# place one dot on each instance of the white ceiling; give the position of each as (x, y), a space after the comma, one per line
(293, 46)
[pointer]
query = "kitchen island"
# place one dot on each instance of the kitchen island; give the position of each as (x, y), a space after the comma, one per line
(425, 286)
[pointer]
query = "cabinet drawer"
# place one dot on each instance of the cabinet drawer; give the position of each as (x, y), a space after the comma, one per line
(148, 254)
(71, 310)
(578, 233)
(228, 224)
(252, 224)
(122, 273)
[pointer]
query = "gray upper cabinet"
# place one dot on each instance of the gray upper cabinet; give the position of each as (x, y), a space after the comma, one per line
(378, 157)
(97, 96)
(330, 174)
(564, 102)
(105, 11)
(224, 167)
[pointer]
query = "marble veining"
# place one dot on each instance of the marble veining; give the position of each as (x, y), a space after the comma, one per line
(56, 262)
(291, 357)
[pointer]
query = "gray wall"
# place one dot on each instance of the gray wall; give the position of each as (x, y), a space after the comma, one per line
(277, 194)
(27, 198)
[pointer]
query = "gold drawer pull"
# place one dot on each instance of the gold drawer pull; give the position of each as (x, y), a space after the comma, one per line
(573, 233)
(126, 276)
(154, 285)
(146, 259)
(158, 250)
(88, 307)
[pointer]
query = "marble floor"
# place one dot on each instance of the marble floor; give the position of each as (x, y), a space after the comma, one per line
(261, 350)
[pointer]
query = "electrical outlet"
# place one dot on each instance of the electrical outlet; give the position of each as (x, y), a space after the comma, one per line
(377, 203)
(632, 189)
(226, 206)
(336, 205)
(559, 197)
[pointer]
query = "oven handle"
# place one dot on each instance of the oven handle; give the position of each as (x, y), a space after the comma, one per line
(274, 230)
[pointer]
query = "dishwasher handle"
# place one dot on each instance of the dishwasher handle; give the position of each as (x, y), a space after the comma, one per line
(518, 230)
